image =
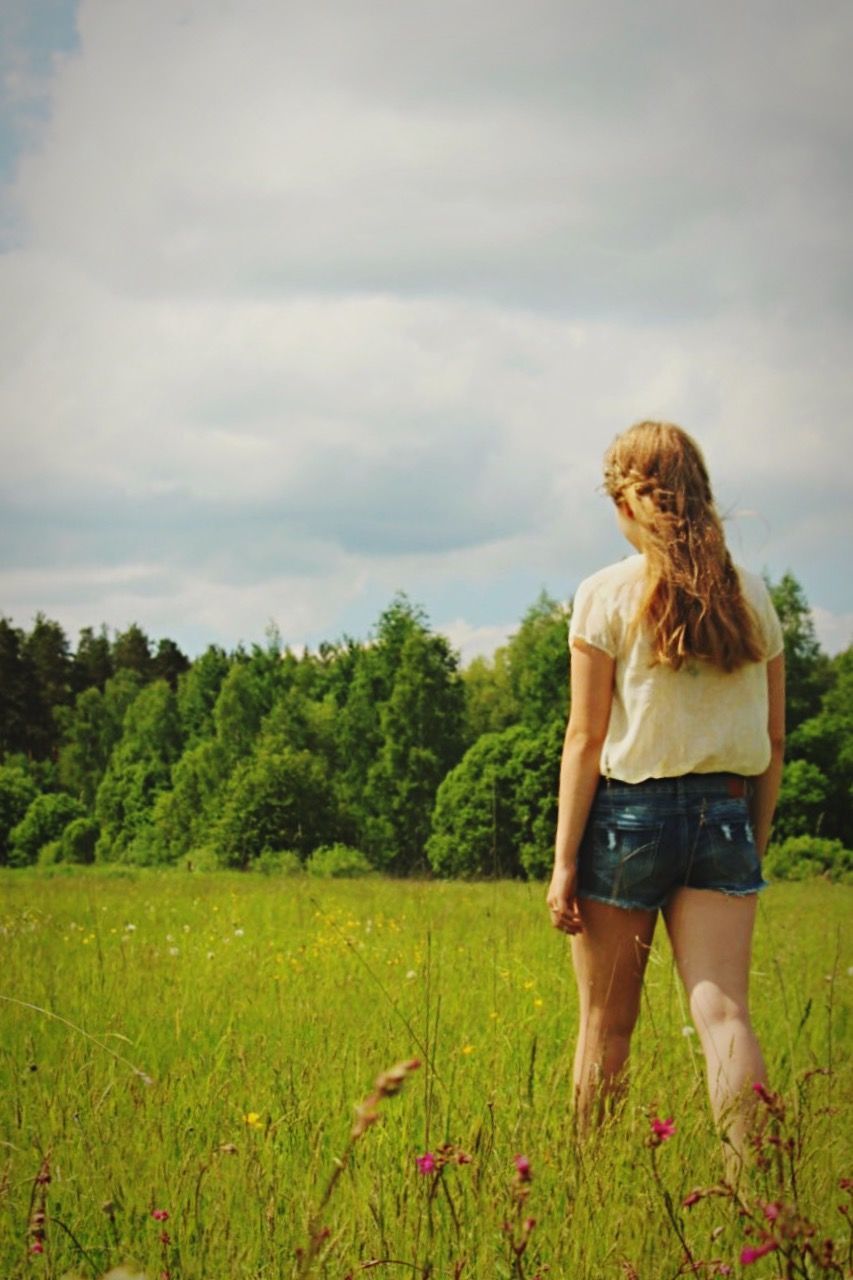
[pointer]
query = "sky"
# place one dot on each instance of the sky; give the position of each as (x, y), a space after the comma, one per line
(302, 305)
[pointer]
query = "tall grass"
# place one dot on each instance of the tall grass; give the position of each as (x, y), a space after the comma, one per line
(214, 1033)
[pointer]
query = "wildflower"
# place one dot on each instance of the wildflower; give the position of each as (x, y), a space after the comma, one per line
(522, 1168)
(772, 1211)
(425, 1163)
(467, 1048)
(661, 1130)
(411, 974)
(37, 1247)
(160, 1215)
(165, 1238)
(688, 1030)
(753, 1252)
(253, 1120)
(529, 1224)
(238, 933)
(174, 951)
(693, 1198)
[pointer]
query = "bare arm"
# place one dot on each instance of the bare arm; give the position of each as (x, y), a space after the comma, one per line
(592, 694)
(765, 788)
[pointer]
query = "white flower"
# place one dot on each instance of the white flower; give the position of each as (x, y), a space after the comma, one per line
(130, 927)
(211, 954)
(411, 974)
(688, 1031)
(174, 951)
(238, 933)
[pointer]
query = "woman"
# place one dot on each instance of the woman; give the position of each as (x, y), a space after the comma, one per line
(670, 773)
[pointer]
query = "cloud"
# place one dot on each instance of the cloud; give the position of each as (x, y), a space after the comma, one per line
(312, 303)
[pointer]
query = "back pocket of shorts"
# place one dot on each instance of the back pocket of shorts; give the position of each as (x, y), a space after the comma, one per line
(626, 858)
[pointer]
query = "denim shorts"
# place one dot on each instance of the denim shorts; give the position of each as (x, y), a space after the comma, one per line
(645, 839)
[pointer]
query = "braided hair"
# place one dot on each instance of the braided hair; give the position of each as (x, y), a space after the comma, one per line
(692, 606)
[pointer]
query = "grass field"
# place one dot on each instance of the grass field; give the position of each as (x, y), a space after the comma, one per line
(214, 1032)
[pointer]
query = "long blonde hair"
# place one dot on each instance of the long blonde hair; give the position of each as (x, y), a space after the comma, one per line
(693, 606)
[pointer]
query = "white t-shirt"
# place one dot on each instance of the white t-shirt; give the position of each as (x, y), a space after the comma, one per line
(666, 723)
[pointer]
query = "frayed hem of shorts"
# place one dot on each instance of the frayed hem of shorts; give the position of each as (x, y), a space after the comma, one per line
(733, 893)
(615, 902)
(643, 906)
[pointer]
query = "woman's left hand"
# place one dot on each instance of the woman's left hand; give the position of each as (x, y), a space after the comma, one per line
(562, 900)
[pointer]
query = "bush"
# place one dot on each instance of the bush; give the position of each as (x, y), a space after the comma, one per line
(202, 858)
(282, 862)
(338, 861)
(45, 820)
(801, 857)
(50, 854)
(78, 840)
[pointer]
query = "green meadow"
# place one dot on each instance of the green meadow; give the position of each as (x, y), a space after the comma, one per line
(194, 1045)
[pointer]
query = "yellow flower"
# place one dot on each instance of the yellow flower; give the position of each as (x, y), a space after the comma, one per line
(467, 1048)
(538, 1002)
(253, 1120)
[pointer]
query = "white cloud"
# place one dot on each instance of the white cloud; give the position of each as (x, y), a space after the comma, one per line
(332, 300)
(834, 630)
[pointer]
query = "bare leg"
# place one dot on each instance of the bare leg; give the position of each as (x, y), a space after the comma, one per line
(610, 960)
(711, 936)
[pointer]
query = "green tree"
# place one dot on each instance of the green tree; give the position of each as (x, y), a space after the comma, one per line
(198, 689)
(169, 663)
(490, 704)
(182, 816)
(538, 662)
(495, 813)
(20, 702)
(93, 662)
(243, 701)
(132, 652)
(806, 667)
(802, 801)
(45, 649)
(17, 792)
(139, 770)
(45, 820)
(92, 728)
(825, 741)
(421, 727)
(276, 800)
(78, 840)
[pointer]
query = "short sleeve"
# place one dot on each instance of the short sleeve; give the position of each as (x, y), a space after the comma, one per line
(771, 627)
(590, 619)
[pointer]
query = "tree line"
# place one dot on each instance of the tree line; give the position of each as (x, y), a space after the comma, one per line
(124, 750)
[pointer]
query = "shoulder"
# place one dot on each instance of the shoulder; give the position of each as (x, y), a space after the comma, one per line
(614, 578)
(604, 602)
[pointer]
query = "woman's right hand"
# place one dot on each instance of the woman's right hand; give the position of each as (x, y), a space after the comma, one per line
(562, 900)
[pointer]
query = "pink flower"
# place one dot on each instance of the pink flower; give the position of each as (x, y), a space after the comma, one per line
(529, 1224)
(772, 1211)
(160, 1215)
(753, 1253)
(522, 1168)
(762, 1091)
(662, 1129)
(165, 1238)
(37, 1247)
(425, 1163)
(693, 1198)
